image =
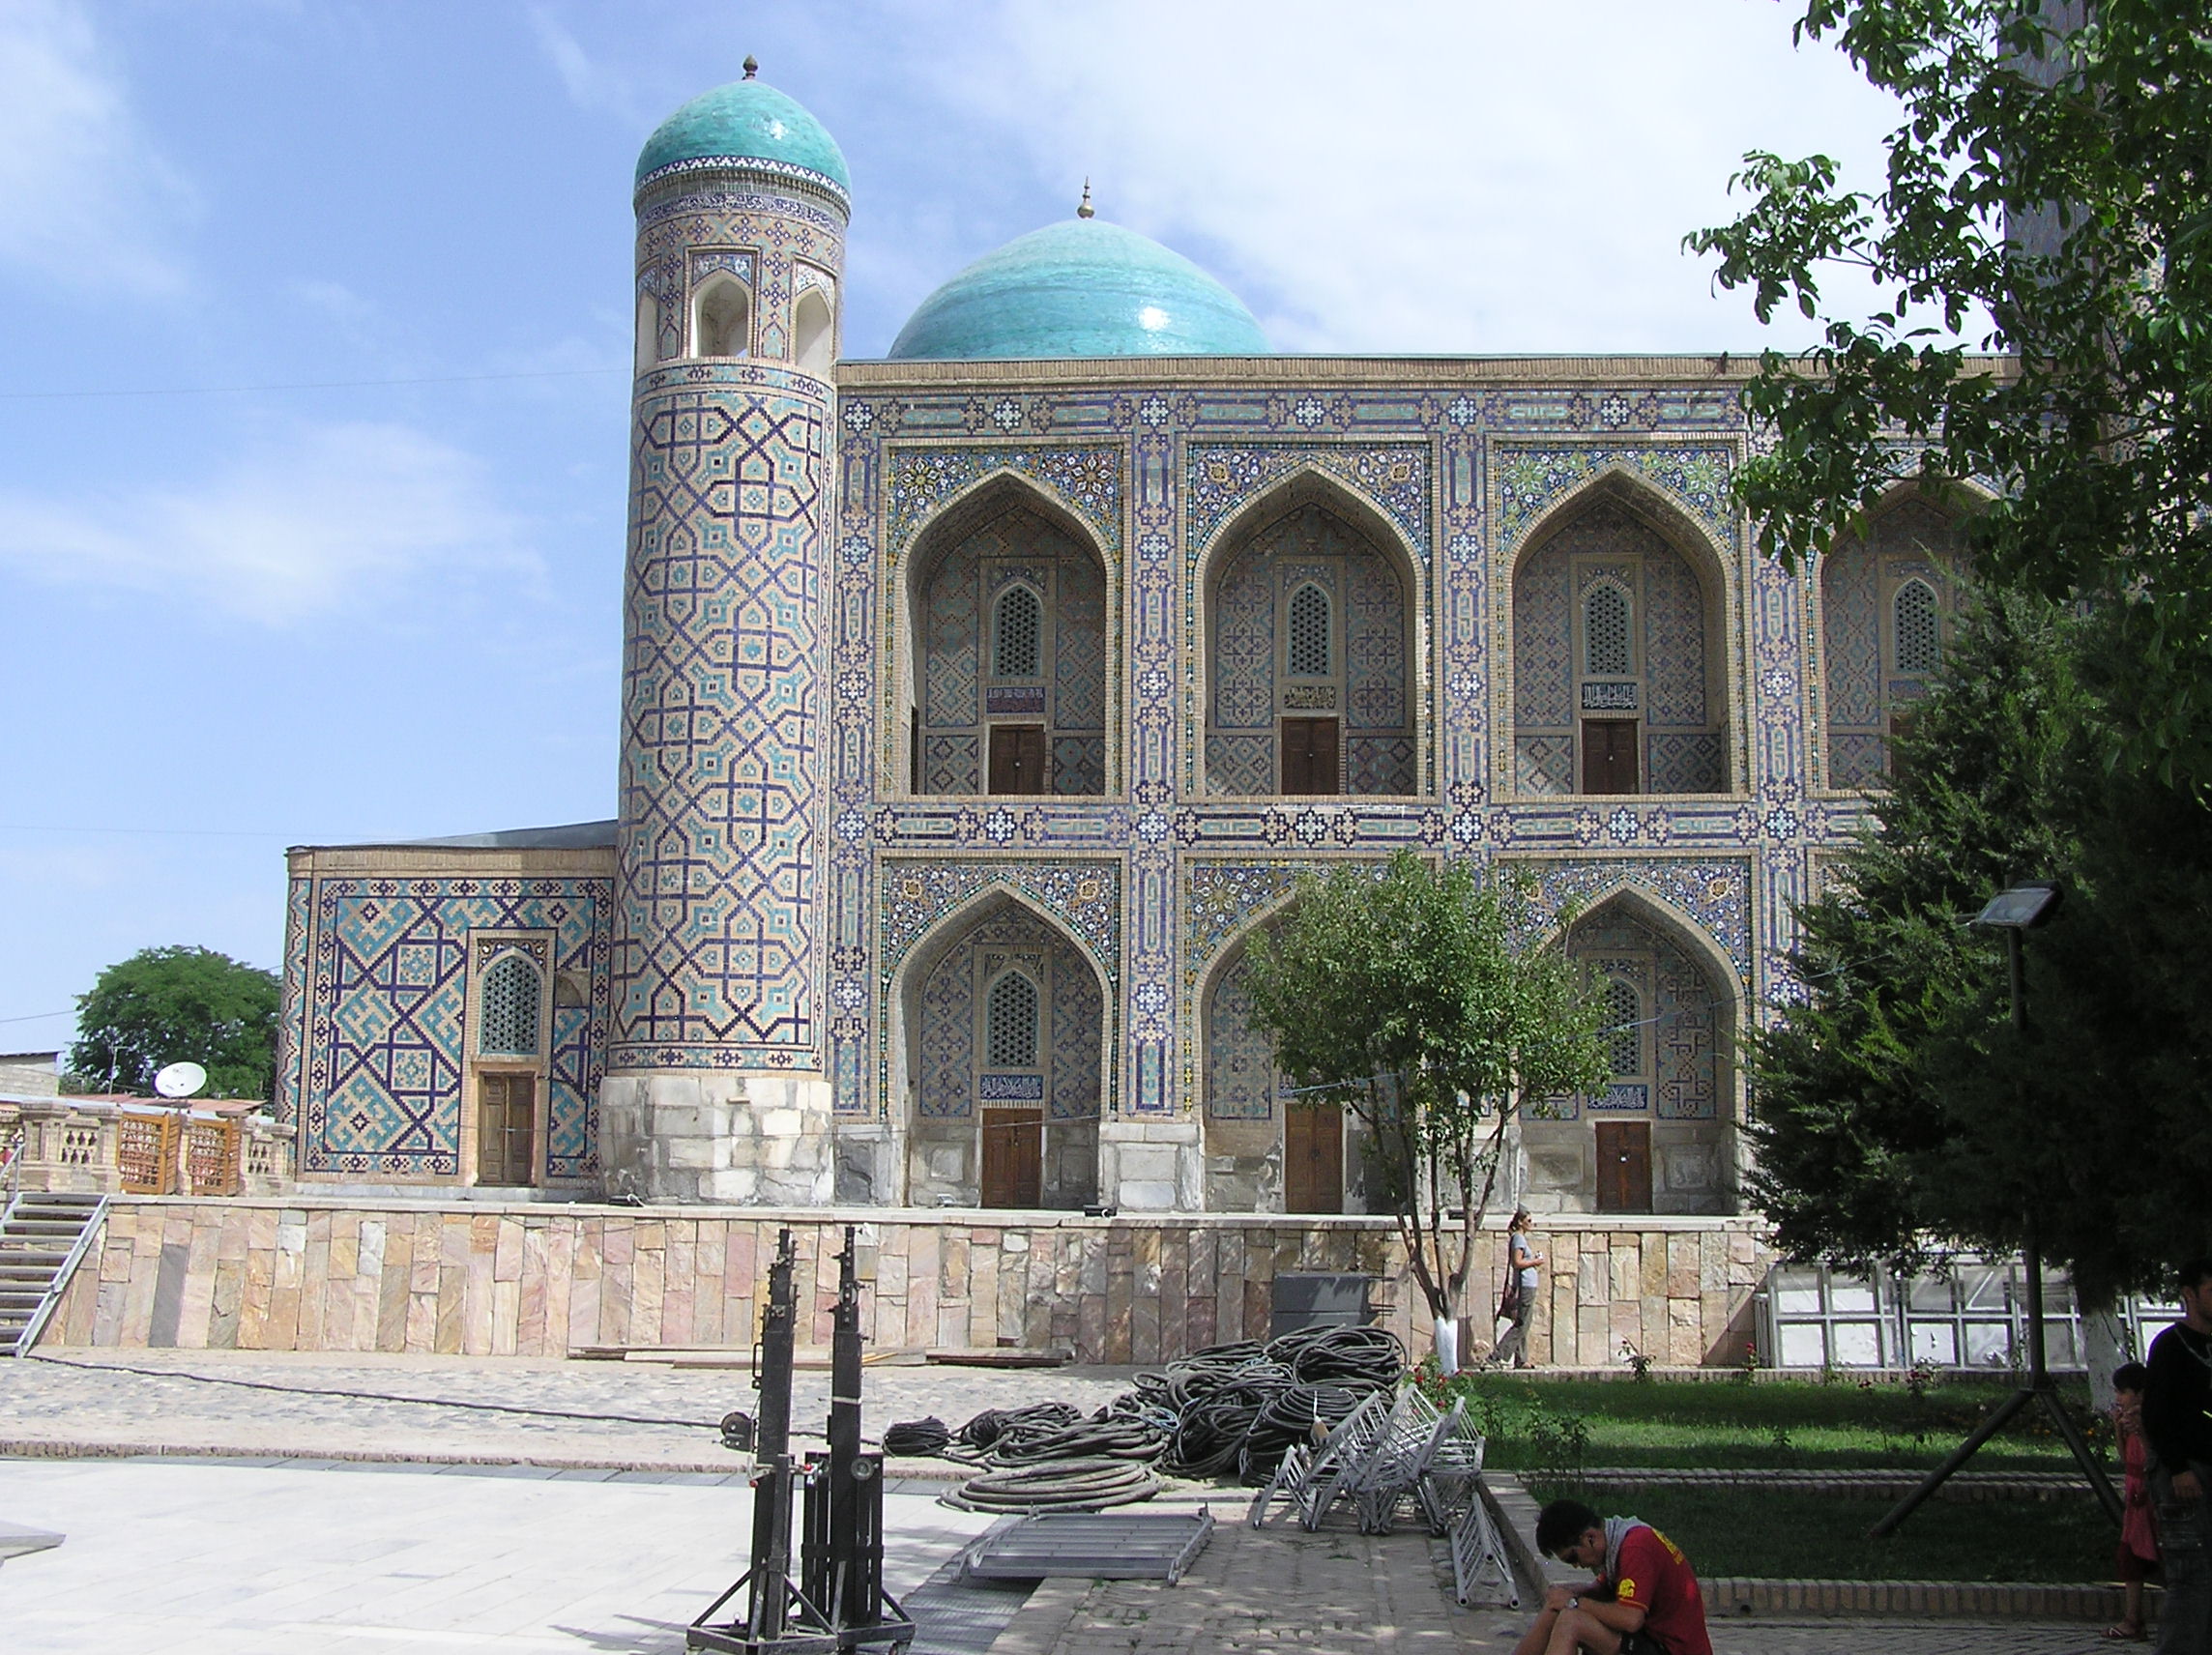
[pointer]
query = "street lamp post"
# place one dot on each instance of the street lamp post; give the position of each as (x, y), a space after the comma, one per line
(2016, 911)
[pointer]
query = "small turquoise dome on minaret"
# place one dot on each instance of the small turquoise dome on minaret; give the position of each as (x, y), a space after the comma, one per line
(747, 121)
(1083, 289)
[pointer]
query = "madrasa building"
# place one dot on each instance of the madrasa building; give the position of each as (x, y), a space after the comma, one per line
(983, 703)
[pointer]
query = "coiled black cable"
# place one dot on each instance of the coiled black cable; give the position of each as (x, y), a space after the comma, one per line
(916, 1438)
(1227, 1410)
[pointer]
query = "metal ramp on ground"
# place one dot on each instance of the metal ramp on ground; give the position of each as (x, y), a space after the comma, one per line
(1102, 1546)
(43, 1235)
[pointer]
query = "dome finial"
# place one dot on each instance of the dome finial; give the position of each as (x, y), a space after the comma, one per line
(752, 65)
(1084, 209)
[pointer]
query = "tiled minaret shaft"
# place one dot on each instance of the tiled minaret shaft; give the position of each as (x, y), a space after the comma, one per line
(717, 1089)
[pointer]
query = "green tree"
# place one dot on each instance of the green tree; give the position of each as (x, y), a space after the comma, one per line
(166, 1006)
(2047, 196)
(2053, 176)
(1878, 1119)
(1431, 1004)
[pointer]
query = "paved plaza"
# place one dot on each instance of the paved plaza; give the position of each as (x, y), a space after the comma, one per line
(281, 1546)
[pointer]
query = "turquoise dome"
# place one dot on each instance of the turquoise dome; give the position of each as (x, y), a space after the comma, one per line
(1084, 288)
(747, 120)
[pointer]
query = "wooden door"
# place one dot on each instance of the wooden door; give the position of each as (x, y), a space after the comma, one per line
(1013, 1157)
(1309, 755)
(1608, 755)
(507, 1120)
(1624, 1166)
(1017, 758)
(1313, 1158)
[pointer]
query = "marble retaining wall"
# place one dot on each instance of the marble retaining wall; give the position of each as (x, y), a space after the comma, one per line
(539, 1279)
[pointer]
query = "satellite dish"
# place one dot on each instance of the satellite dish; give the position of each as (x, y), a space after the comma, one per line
(180, 1080)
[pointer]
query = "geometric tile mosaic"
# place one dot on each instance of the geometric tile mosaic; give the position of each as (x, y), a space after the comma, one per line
(384, 1057)
(717, 945)
(1395, 478)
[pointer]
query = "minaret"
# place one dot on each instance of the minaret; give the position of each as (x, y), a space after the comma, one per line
(715, 1088)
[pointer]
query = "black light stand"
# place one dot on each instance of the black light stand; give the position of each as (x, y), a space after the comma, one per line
(838, 1602)
(2020, 908)
(842, 1562)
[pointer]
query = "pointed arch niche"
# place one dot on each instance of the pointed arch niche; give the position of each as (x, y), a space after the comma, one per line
(1661, 1135)
(1001, 1060)
(1038, 726)
(1265, 1152)
(1312, 650)
(721, 317)
(1620, 650)
(1888, 601)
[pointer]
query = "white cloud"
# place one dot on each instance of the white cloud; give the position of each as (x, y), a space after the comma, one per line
(588, 83)
(1472, 177)
(345, 514)
(83, 196)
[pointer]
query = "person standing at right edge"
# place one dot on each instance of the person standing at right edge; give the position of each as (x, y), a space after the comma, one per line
(2177, 1424)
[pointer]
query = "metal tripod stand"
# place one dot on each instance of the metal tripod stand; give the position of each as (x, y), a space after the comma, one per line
(838, 1602)
(2039, 1390)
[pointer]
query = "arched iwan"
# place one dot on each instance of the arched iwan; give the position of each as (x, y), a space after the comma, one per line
(1282, 713)
(1662, 1133)
(959, 726)
(998, 1117)
(1623, 675)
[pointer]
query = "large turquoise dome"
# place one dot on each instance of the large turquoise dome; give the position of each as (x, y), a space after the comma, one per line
(1084, 288)
(750, 121)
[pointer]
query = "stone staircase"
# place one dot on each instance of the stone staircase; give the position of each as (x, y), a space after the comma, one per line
(42, 1237)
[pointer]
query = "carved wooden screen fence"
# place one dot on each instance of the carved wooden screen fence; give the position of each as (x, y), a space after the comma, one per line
(146, 1153)
(211, 1157)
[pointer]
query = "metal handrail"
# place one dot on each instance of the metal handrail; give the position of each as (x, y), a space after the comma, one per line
(94, 1222)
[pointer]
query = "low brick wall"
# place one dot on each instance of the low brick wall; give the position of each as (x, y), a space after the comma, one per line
(540, 1280)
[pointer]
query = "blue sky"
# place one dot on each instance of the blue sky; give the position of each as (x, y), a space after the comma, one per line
(319, 610)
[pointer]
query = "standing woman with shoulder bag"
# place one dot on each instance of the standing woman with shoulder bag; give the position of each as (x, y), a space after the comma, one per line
(1522, 1267)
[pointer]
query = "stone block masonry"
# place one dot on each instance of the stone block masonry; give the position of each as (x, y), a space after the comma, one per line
(478, 1279)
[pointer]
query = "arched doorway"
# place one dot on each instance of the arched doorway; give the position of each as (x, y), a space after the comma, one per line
(1888, 601)
(1007, 639)
(1266, 1151)
(1658, 1136)
(1312, 646)
(1005, 1040)
(1618, 653)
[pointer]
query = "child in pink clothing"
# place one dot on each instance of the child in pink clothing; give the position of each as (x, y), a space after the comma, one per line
(2139, 1536)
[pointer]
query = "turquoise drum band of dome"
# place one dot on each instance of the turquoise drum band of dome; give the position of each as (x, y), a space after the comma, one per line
(1082, 288)
(746, 120)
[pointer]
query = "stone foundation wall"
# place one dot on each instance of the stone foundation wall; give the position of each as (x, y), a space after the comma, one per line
(539, 1281)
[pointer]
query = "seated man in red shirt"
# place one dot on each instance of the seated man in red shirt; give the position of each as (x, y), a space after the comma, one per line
(1643, 1602)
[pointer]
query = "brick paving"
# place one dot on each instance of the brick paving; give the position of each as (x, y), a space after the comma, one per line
(1339, 1592)
(1276, 1591)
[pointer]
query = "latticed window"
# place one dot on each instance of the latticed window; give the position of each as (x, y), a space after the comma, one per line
(1625, 1035)
(507, 1021)
(1010, 1024)
(1604, 631)
(1018, 634)
(1309, 632)
(1919, 633)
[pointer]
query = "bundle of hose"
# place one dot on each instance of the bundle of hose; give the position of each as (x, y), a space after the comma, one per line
(1290, 1417)
(1315, 1354)
(916, 1438)
(1090, 1440)
(1213, 1431)
(1131, 1405)
(986, 1428)
(1072, 1485)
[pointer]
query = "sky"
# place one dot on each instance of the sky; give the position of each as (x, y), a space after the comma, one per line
(314, 325)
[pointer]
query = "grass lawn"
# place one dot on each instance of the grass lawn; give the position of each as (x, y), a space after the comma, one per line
(1793, 1536)
(1797, 1425)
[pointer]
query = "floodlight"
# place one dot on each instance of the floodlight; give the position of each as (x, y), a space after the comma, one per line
(2023, 906)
